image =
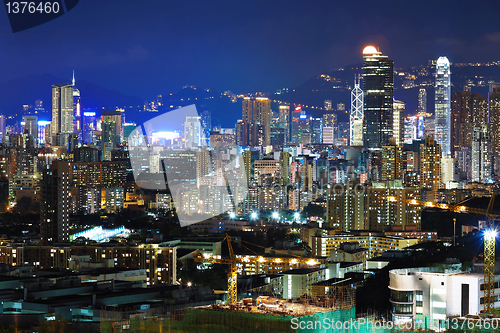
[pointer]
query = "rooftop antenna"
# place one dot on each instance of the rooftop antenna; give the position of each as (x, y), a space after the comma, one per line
(73, 77)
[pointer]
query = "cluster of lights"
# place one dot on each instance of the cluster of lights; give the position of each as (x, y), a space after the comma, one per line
(99, 234)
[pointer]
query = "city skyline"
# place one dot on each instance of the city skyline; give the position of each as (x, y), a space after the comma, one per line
(250, 166)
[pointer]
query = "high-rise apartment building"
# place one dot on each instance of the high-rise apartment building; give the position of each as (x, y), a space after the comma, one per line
(430, 165)
(461, 120)
(55, 204)
(481, 154)
(256, 116)
(393, 165)
(398, 122)
(442, 107)
(62, 114)
(378, 93)
(494, 117)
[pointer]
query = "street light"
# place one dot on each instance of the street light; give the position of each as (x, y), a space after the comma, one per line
(254, 215)
(297, 216)
(276, 215)
(189, 284)
(490, 234)
(232, 215)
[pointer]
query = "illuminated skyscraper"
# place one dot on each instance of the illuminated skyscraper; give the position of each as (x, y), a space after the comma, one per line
(31, 128)
(284, 120)
(3, 126)
(398, 125)
(192, 132)
(108, 138)
(494, 117)
(481, 154)
(62, 114)
(442, 131)
(256, 127)
(378, 92)
(461, 120)
(422, 101)
(356, 118)
(430, 165)
(117, 117)
(206, 126)
(77, 117)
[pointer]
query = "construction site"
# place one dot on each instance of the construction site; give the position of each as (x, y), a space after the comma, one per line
(263, 314)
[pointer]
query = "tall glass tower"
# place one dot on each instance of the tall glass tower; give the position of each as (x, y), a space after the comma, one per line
(378, 93)
(442, 108)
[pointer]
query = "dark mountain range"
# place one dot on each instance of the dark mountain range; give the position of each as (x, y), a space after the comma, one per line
(333, 85)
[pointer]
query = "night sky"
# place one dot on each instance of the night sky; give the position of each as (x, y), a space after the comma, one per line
(148, 47)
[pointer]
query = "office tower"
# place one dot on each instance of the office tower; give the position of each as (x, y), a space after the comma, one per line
(378, 93)
(429, 124)
(192, 132)
(410, 129)
(340, 107)
(284, 120)
(422, 101)
(461, 120)
(430, 165)
(117, 116)
(77, 117)
(494, 117)
(62, 114)
(398, 125)
(86, 154)
(328, 136)
(3, 127)
(316, 130)
(356, 117)
(108, 138)
(206, 127)
(481, 154)
(88, 126)
(421, 126)
(55, 204)
(328, 105)
(256, 114)
(442, 107)
(31, 129)
(277, 136)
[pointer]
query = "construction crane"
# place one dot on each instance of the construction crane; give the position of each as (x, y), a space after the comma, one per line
(231, 275)
(232, 261)
(489, 240)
